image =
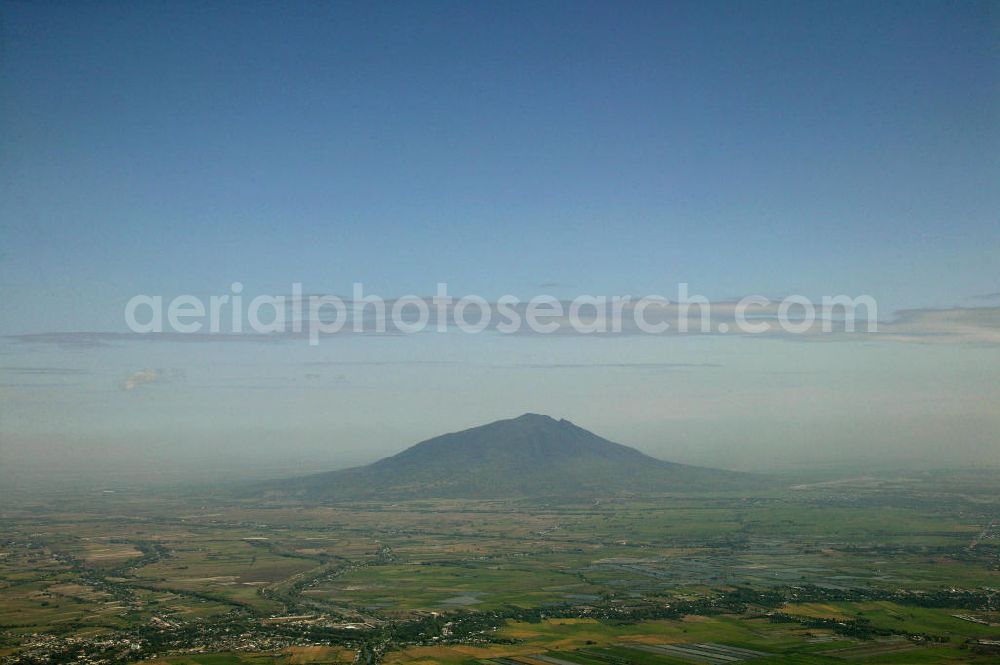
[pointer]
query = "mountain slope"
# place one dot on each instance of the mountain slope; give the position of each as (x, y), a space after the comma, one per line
(532, 455)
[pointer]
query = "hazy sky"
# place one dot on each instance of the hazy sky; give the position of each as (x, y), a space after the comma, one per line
(523, 148)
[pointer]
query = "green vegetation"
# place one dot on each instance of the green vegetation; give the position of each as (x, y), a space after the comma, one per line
(901, 570)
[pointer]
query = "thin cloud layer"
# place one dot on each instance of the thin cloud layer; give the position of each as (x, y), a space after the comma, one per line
(956, 325)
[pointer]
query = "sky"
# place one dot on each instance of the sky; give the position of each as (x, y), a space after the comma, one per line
(503, 148)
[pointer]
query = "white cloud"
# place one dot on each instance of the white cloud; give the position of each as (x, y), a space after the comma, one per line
(146, 376)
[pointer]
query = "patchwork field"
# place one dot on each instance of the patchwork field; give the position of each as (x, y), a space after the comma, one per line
(904, 570)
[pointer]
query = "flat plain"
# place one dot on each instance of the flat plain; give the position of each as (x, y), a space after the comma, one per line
(894, 569)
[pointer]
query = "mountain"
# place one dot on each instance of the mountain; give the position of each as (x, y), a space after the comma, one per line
(529, 456)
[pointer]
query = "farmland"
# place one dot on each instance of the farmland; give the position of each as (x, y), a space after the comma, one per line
(898, 569)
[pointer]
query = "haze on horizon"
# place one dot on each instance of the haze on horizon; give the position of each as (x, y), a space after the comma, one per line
(504, 149)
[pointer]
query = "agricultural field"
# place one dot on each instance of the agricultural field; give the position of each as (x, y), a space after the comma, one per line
(904, 570)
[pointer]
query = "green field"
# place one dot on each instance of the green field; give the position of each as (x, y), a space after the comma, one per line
(864, 571)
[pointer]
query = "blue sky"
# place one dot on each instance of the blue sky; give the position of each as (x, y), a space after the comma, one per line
(591, 147)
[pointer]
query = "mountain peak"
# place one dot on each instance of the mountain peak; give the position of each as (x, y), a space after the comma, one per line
(534, 418)
(527, 422)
